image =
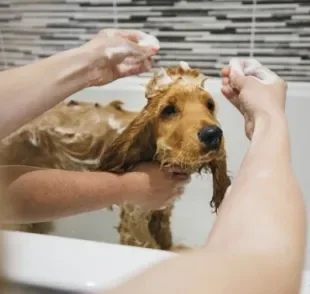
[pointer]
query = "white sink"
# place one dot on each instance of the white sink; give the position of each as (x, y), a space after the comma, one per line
(79, 265)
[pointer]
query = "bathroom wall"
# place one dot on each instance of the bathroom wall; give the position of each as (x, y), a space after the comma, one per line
(205, 33)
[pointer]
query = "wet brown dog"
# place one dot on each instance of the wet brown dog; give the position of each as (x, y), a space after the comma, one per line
(177, 128)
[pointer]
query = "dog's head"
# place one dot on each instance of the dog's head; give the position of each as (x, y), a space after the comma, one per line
(186, 131)
(177, 128)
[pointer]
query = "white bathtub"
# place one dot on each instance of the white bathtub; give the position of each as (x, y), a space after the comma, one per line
(192, 218)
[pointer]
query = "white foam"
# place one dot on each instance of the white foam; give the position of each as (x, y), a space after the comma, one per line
(236, 65)
(122, 49)
(149, 40)
(163, 78)
(33, 140)
(184, 65)
(251, 67)
(114, 123)
(146, 41)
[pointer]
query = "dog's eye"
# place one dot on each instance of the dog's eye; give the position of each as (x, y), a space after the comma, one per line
(169, 110)
(210, 105)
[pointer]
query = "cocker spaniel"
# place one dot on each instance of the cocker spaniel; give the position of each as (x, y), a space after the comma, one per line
(177, 128)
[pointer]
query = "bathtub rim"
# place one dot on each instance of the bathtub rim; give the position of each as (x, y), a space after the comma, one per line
(19, 248)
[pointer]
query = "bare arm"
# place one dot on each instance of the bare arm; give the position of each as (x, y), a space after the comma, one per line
(28, 91)
(257, 244)
(266, 193)
(44, 195)
(34, 195)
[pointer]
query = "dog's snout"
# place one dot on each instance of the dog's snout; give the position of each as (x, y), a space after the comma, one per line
(211, 136)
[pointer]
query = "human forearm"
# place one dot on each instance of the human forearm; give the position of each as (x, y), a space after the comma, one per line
(28, 91)
(45, 195)
(216, 272)
(264, 210)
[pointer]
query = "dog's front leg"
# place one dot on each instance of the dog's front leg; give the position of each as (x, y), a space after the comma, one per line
(159, 226)
(134, 227)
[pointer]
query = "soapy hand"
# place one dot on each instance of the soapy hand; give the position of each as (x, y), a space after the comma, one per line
(119, 53)
(254, 90)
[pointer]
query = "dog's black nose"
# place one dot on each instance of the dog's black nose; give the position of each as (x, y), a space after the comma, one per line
(211, 136)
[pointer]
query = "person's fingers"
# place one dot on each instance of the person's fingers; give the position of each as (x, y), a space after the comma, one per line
(134, 69)
(151, 60)
(139, 53)
(132, 61)
(141, 40)
(228, 92)
(266, 76)
(131, 35)
(126, 51)
(232, 96)
(237, 80)
(253, 68)
(225, 81)
(225, 72)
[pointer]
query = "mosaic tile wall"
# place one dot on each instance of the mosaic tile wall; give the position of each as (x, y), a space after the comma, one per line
(205, 33)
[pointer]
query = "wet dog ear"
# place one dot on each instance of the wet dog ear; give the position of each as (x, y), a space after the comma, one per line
(221, 182)
(135, 144)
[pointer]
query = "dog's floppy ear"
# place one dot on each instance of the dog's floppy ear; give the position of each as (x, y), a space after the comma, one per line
(221, 182)
(134, 145)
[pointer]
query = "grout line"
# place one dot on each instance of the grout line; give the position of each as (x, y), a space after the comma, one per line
(3, 53)
(253, 27)
(115, 13)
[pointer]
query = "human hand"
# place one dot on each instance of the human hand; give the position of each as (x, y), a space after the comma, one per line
(117, 53)
(156, 187)
(254, 90)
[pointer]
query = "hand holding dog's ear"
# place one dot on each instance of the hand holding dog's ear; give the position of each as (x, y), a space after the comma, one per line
(118, 53)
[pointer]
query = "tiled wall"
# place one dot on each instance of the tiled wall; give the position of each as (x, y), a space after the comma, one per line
(205, 33)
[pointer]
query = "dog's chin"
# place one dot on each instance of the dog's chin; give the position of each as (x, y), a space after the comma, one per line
(187, 165)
